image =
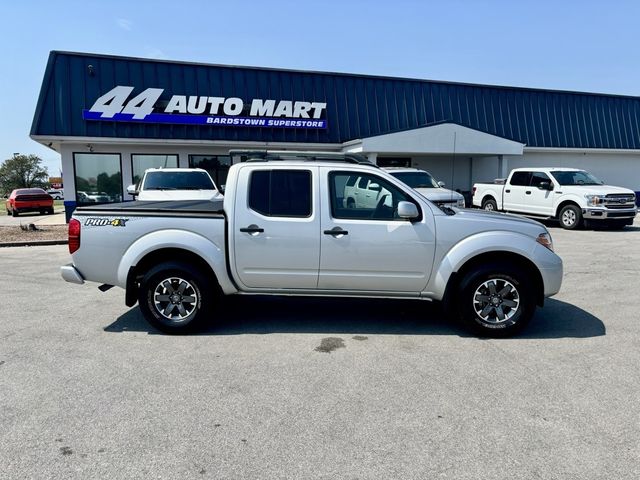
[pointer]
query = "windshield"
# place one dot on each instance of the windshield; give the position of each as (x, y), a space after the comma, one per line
(416, 179)
(178, 181)
(579, 177)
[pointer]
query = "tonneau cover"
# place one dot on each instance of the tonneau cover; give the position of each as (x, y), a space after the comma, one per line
(174, 207)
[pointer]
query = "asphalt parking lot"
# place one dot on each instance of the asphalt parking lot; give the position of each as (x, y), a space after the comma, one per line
(309, 388)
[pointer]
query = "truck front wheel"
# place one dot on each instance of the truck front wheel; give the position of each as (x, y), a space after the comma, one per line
(496, 300)
(570, 217)
(490, 204)
(175, 297)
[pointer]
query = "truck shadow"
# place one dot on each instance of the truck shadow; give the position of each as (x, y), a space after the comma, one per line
(265, 315)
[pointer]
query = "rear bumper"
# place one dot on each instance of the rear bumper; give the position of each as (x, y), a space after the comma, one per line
(609, 214)
(71, 274)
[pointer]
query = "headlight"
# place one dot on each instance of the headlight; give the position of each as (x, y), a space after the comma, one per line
(594, 200)
(461, 203)
(544, 239)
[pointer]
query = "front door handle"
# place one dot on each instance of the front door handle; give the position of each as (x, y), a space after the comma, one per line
(507, 191)
(252, 229)
(335, 231)
(528, 192)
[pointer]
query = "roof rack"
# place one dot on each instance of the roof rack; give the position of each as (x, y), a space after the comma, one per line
(306, 156)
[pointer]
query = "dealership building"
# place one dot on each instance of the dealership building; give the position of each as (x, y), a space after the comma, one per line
(112, 117)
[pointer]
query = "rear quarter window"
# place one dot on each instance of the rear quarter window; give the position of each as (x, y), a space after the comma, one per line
(280, 193)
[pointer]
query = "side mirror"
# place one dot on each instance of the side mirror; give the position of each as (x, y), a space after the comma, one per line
(545, 186)
(131, 190)
(442, 184)
(374, 186)
(221, 189)
(408, 210)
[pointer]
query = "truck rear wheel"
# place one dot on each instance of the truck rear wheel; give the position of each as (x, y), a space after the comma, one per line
(175, 297)
(570, 217)
(496, 300)
(489, 204)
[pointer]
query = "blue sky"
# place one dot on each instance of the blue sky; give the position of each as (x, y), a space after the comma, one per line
(567, 45)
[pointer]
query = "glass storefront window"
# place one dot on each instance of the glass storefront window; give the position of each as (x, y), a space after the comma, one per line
(98, 178)
(216, 165)
(140, 162)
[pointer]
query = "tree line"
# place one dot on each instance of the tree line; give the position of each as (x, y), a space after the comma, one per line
(23, 171)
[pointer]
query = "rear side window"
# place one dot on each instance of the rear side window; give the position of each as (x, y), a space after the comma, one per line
(520, 178)
(280, 193)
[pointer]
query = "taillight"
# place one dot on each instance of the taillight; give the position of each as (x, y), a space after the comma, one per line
(473, 191)
(74, 235)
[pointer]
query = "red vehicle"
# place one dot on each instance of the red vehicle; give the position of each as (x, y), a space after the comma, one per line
(29, 200)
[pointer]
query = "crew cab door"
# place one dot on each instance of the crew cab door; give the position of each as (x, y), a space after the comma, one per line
(515, 198)
(276, 241)
(366, 248)
(540, 201)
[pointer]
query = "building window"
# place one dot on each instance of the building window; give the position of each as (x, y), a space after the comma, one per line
(216, 165)
(139, 163)
(281, 193)
(98, 178)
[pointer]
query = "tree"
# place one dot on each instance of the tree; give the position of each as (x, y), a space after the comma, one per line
(22, 171)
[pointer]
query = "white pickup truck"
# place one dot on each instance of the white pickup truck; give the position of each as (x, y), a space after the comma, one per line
(570, 195)
(175, 184)
(284, 228)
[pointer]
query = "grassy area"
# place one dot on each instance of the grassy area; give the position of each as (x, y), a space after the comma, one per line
(58, 206)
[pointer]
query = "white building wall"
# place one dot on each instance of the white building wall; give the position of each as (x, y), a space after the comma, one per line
(455, 173)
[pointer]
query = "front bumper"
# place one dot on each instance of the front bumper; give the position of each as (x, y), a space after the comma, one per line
(609, 213)
(71, 274)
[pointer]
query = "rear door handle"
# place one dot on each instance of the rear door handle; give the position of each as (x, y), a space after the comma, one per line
(252, 229)
(335, 231)
(528, 192)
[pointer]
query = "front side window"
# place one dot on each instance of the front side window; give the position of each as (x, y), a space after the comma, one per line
(140, 162)
(98, 178)
(378, 202)
(280, 193)
(539, 177)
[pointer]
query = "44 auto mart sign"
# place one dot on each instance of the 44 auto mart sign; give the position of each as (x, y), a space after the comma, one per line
(146, 107)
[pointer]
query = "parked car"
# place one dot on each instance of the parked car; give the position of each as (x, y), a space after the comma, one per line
(56, 194)
(93, 197)
(569, 195)
(175, 184)
(282, 229)
(424, 183)
(24, 200)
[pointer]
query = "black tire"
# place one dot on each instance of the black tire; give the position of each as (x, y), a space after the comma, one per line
(50, 211)
(496, 300)
(489, 204)
(8, 212)
(14, 213)
(570, 217)
(351, 203)
(157, 290)
(42, 212)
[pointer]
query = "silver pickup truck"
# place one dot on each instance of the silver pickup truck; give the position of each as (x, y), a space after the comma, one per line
(284, 228)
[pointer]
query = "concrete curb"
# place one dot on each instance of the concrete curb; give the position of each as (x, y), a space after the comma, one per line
(34, 243)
